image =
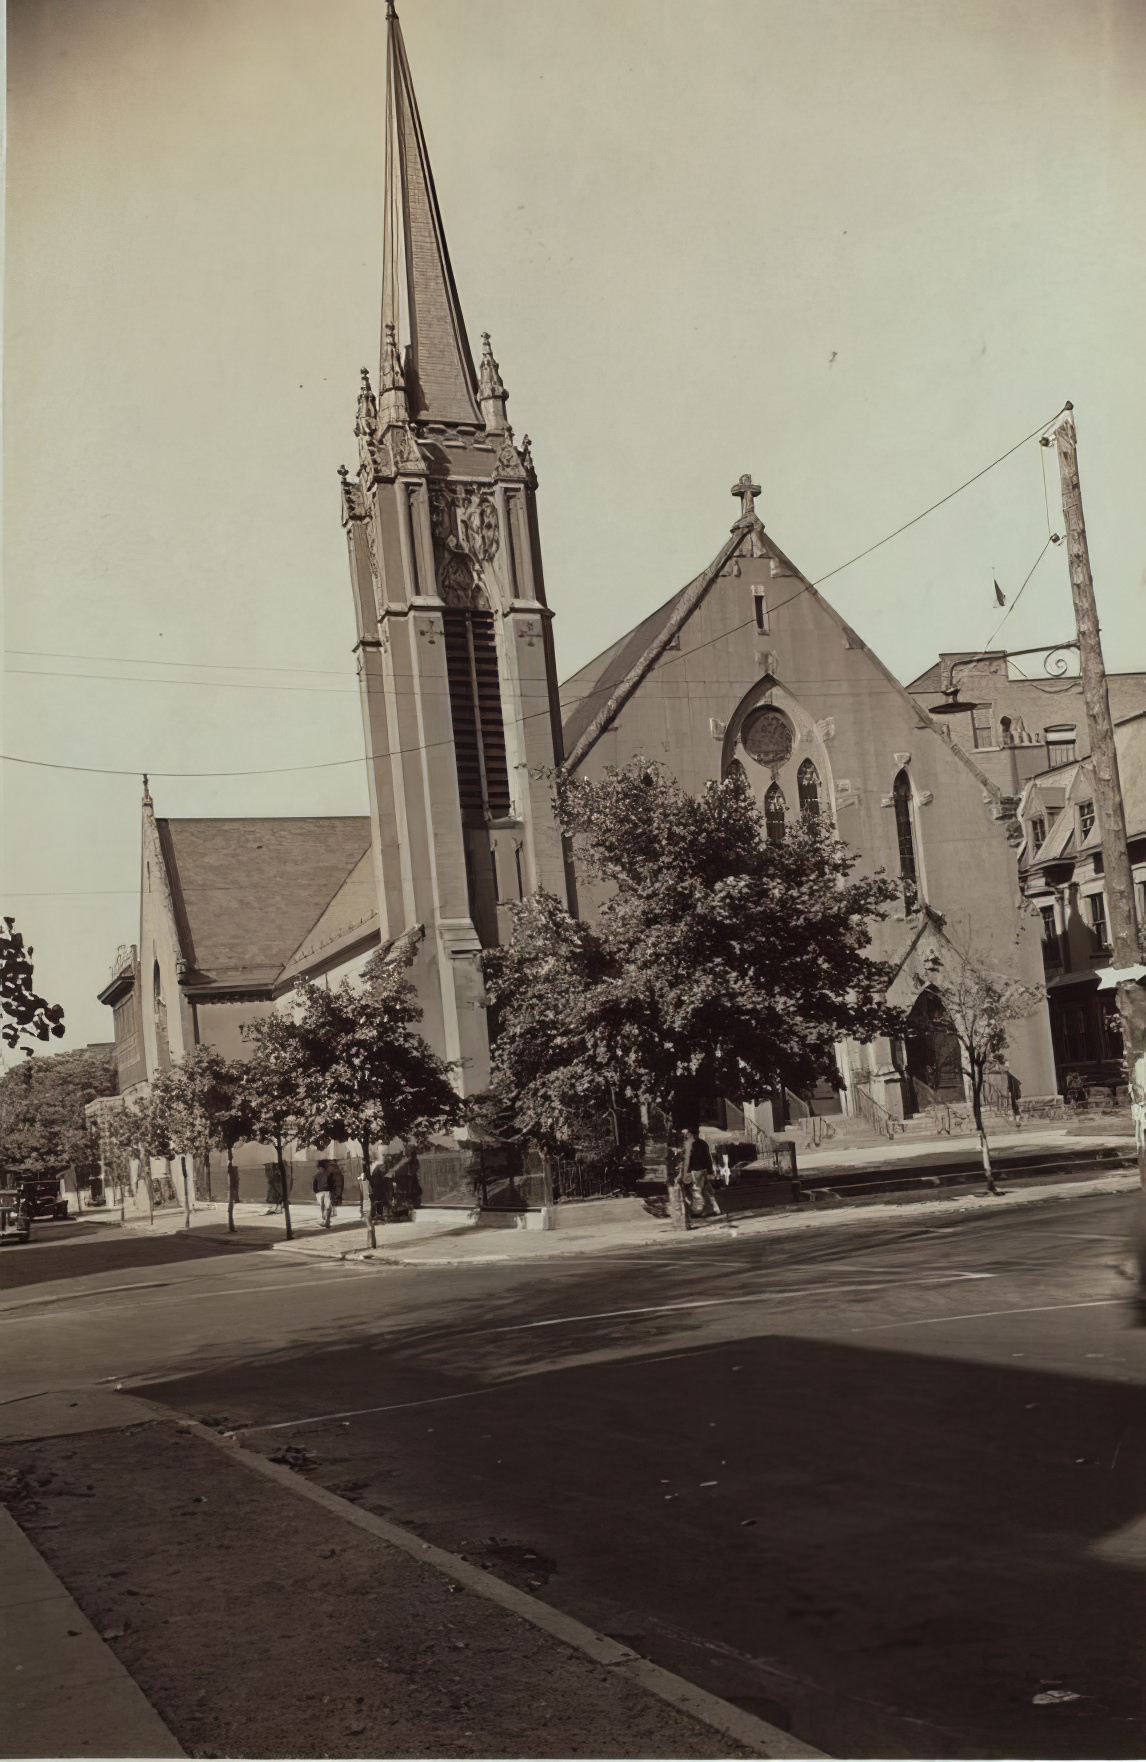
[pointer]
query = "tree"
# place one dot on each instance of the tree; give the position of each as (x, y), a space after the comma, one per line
(273, 1091)
(197, 1107)
(982, 1005)
(368, 1075)
(722, 959)
(27, 1014)
(43, 1129)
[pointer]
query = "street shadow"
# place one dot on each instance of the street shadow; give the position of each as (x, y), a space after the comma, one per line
(898, 1555)
(39, 1263)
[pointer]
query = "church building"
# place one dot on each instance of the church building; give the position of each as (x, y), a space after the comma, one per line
(464, 724)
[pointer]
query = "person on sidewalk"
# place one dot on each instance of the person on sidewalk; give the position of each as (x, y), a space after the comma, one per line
(336, 1181)
(322, 1193)
(696, 1174)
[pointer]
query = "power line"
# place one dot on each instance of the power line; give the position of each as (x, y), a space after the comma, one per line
(157, 661)
(1034, 435)
(667, 659)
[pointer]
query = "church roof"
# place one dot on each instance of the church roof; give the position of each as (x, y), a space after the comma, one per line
(347, 921)
(419, 297)
(599, 699)
(246, 892)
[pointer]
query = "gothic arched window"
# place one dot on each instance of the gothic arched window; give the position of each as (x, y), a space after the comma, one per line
(904, 834)
(808, 784)
(775, 814)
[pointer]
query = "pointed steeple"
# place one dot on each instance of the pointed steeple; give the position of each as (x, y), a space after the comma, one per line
(419, 298)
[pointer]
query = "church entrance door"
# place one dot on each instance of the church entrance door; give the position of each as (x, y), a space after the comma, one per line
(933, 1063)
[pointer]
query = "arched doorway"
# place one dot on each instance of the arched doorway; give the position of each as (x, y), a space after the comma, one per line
(933, 1063)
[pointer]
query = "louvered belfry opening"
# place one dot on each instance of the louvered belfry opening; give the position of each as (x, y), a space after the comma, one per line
(475, 704)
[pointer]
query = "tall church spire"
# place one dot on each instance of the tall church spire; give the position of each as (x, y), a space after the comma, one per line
(419, 298)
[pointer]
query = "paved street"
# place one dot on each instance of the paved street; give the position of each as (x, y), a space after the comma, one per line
(884, 1483)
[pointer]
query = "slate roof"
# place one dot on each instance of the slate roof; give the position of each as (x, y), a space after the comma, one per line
(247, 892)
(587, 692)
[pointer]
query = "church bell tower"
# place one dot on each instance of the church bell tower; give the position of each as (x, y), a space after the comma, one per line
(455, 646)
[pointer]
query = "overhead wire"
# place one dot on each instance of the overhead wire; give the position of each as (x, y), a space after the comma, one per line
(667, 659)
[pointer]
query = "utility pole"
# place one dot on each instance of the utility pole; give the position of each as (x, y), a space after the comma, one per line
(1122, 921)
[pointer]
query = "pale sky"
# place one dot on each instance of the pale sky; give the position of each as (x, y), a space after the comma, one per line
(856, 247)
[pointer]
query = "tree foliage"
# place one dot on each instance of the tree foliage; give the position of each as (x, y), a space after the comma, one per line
(720, 960)
(26, 1015)
(982, 1005)
(198, 1105)
(367, 1074)
(42, 1125)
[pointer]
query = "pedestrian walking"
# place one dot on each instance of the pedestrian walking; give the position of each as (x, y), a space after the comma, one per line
(322, 1192)
(696, 1174)
(337, 1187)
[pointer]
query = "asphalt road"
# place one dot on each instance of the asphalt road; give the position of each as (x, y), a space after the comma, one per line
(892, 1480)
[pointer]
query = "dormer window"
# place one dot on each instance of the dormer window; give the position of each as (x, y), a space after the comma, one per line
(1038, 834)
(1085, 818)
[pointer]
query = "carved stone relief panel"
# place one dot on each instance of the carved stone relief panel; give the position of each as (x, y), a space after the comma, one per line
(467, 537)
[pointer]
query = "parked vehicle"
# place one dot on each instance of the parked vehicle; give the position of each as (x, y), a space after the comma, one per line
(43, 1196)
(15, 1216)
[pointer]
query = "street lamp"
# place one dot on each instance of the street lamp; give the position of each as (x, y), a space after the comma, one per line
(1054, 664)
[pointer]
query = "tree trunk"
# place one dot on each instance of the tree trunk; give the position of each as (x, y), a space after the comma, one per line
(186, 1193)
(368, 1197)
(145, 1171)
(207, 1172)
(984, 1147)
(283, 1188)
(232, 1189)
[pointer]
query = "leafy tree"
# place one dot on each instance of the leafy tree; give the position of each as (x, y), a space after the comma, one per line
(982, 1006)
(274, 1091)
(368, 1075)
(27, 1014)
(43, 1130)
(720, 960)
(196, 1106)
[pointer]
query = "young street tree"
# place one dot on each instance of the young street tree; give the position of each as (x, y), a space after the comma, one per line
(199, 1106)
(982, 1006)
(26, 1015)
(368, 1075)
(274, 1092)
(720, 962)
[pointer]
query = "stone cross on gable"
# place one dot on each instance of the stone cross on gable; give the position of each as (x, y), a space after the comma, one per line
(747, 491)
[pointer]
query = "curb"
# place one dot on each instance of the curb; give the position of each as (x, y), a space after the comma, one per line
(754, 1226)
(753, 1734)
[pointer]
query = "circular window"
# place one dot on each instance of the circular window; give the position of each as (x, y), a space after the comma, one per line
(767, 736)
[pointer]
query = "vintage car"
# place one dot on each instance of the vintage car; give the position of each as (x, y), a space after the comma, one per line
(15, 1214)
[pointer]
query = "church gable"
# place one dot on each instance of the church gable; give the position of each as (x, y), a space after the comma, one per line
(752, 667)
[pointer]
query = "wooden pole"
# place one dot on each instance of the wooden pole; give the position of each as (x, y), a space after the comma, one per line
(1118, 878)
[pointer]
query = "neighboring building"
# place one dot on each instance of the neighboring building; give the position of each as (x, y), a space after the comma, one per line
(748, 665)
(1062, 876)
(1021, 726)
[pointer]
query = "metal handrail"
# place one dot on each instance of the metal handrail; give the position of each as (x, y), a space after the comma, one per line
(876, 1116)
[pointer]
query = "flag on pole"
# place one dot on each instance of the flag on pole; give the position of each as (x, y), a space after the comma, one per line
(1000, 596)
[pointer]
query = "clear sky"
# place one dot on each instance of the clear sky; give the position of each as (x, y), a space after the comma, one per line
(856, 247)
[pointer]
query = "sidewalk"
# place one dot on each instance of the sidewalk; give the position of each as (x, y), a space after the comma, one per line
(264, 1616)
(65, 1691)
(446, 1242)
